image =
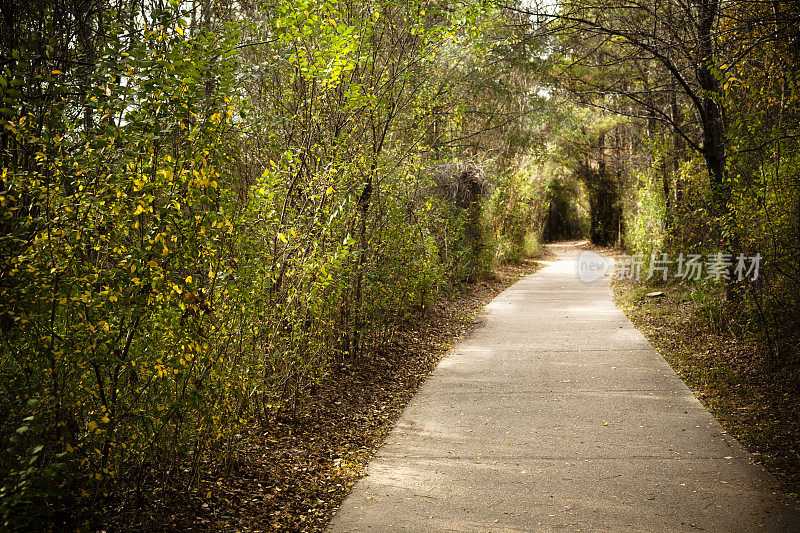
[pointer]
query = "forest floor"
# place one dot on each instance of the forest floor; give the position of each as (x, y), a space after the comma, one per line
(293, 475)
(755, 399)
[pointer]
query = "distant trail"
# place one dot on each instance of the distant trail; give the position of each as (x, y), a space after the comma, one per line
(557, 414)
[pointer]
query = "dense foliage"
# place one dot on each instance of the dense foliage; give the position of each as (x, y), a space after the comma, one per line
(682, 132)
(207, 207)
(210, 207)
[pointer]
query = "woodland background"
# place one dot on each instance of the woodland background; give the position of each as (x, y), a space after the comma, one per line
(210, 208)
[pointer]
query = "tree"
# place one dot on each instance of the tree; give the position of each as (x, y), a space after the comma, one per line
(694, 47)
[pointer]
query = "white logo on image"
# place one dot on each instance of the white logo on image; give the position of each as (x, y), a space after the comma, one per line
(591, 266)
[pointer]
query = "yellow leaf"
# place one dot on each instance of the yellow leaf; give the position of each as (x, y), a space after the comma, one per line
(139, 210)
(282, 237)
(92, 426)
(329, 191)
(179, 30)
(56, 72)
(188, 279)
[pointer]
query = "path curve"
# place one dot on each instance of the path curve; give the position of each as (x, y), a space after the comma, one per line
(557, 414)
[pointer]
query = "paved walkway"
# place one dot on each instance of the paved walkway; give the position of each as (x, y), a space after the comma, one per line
(557, 414)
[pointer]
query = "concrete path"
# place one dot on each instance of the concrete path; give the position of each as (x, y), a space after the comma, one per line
(557, 414)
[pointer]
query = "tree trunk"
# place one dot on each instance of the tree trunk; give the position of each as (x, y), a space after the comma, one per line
(363, 207)
(714, 137)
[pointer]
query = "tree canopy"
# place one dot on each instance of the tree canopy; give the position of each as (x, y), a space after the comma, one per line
(209, 207)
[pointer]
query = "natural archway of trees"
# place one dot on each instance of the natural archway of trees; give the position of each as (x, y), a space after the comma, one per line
(210, 207)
